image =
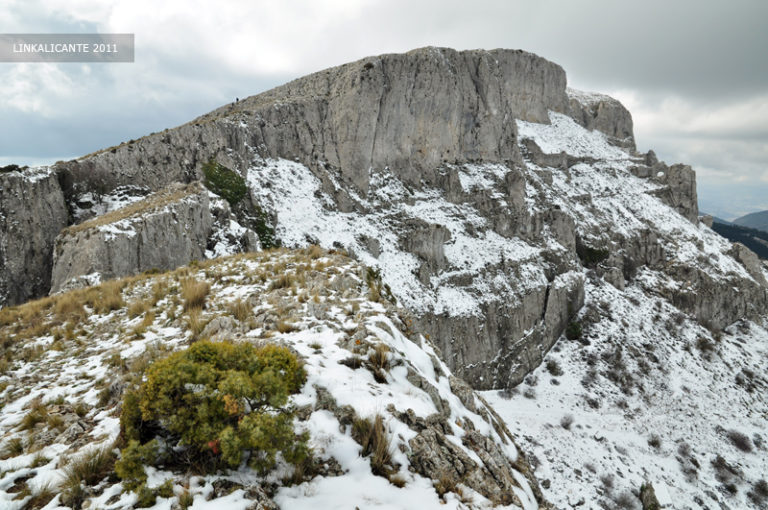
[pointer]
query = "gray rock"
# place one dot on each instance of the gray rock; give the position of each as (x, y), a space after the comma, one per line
(603, 113)
(408, 112)
(750, 261)
(680, 191)
(164, 231)
(32, 213)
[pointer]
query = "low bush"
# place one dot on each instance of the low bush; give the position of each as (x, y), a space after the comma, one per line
(573, 331)
(591, 257)
(218, 401)
(654, 441)
(553, 367)
(759, 493)
(739, 440)
(11, 168)
(130, 467)
(225, 182)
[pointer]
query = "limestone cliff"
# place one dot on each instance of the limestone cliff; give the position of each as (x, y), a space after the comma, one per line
(482, 188)
(32, 212)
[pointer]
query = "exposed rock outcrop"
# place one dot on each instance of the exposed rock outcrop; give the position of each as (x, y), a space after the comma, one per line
(32, 212)
(604, 113)
(166, 230)
(466, 177)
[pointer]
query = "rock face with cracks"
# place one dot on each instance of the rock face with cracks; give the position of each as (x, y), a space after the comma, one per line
(478, 184)
(164, 231)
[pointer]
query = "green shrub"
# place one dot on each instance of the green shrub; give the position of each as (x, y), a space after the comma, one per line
(573, 331)
(264, 229)
(220, 400)
(224, 182)
(12, 168)
(130, 467)
(589, 256)
(147, 497)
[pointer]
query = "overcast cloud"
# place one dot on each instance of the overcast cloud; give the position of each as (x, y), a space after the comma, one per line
(693, 73)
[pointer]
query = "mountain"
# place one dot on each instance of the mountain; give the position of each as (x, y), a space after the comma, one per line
(755, 240)
(757, 220)
(550, 264)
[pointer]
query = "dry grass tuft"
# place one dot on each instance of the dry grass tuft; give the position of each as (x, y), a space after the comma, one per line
(283, 281)
(372, 436)
(147, 321)
(315, 252)
(137, 308)
(286, 327)
(38, 413)
(12, 448)
(88, 470)
(111, 297)
(194, 292)
(379, 358)
(239, 310)
(195, 322)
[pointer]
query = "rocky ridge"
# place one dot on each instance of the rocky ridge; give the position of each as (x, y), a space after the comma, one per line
(446, 170)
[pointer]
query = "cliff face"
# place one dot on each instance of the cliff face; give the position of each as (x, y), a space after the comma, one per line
(164, 231)
(168, 229)
(483, 189)
(32, 212)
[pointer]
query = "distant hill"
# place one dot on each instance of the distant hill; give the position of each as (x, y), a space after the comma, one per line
(720, 220)
(758, 220)
(755, 240)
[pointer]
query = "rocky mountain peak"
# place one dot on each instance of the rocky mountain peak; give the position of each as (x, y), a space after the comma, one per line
(504, 212)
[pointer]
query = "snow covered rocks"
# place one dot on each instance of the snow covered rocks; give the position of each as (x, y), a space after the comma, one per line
(513, 221)
(163, 231)
(388, 424)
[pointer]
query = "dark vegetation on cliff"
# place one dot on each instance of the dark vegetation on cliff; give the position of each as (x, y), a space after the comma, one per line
(755, 240)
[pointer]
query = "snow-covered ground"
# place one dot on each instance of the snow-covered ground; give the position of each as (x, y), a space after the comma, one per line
(647, 395)
(72, 377)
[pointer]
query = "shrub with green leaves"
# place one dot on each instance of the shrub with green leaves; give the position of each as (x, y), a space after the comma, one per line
(130, 467)
(224, 182)
(220, 400)
(573, 331)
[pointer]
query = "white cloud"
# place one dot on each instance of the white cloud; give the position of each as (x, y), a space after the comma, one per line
(35, 88)
(678, 116)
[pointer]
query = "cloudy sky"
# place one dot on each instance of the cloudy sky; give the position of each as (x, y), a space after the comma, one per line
(694, 73)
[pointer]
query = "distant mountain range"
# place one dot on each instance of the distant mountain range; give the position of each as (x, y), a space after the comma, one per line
(758, 220)
(754, 239)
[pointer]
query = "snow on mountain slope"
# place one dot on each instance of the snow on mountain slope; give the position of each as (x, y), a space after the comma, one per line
(306, 215)
(643, 393)
(619, 203)
(646, 395)
(66, 360)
